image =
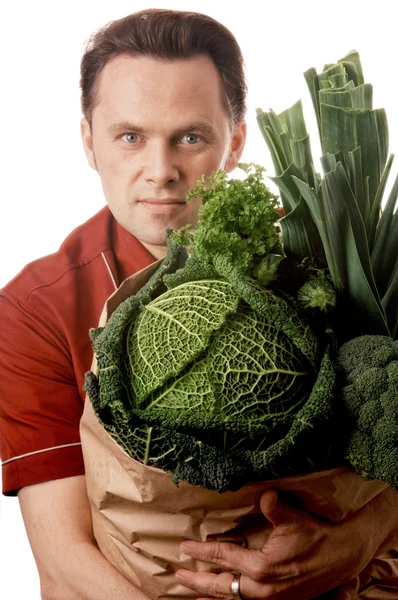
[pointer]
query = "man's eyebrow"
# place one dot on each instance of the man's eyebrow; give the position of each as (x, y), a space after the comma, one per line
(201, 126)
(125, 127)
(128, 127)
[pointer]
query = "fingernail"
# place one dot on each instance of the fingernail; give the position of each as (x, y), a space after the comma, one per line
(179, 577)
(184, 548)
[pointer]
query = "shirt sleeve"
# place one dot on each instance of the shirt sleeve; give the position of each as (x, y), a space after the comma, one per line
(40, 404)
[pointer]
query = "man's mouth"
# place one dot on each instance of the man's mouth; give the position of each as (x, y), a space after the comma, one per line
(164, 206)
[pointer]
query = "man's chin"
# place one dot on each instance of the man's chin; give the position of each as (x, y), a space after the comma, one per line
(153, 231)
(149, 238)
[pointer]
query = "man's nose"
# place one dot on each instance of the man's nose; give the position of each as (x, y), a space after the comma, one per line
(160, 165)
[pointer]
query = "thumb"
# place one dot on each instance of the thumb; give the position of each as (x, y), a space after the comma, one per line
(277, 511)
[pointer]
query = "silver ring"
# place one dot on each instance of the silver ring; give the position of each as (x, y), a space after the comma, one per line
(235, 587)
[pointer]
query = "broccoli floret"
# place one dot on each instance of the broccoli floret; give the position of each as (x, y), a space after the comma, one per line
(361, 353)
(367, 369)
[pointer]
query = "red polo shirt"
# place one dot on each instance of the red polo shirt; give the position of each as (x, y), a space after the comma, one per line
(45, 314)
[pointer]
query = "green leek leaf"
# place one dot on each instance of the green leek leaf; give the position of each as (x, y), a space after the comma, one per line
(289, 192)
(302, 158)
(375, 209)
(314, 88)
(341, 211)
(319, 218)
(352, 97)
(390, 303)
(358, 185)
(338, 198)
(272, 140)
(339, 224)
(293, 119)
(277, 156)
(328, 161)
(300, 234)
(353, 67)
(344, 228)
(384, 254)
(344, 130)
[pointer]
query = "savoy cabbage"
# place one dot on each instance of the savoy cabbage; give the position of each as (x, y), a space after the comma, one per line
(209, 375)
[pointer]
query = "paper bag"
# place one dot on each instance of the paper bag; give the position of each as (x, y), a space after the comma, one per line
(140, 516)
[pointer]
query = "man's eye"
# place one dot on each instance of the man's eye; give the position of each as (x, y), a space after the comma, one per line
(131, 138)
(192, 138)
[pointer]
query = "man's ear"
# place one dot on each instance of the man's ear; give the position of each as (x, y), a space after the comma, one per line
(87, 140)
(237, 145)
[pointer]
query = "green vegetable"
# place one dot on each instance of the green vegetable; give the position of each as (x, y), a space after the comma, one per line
(368, 372)
(237, 220)
(199, 348)
(317, 293)
(337, 218)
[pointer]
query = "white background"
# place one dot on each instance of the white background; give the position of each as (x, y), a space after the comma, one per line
(47, 188)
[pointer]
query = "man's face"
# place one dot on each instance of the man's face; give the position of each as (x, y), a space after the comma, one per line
(157, 128)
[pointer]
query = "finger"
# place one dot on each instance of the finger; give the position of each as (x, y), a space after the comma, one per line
(225, 554)
(230, 556)
(279, 512)
(268, 501)
(207, 584)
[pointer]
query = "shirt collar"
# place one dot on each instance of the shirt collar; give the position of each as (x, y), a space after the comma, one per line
(130, 255)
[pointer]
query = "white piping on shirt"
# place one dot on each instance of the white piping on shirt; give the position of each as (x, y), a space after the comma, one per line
(76, 443)
(39, 451)
(109, 270)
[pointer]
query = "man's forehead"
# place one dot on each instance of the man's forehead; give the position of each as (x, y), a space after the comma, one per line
(133, 88)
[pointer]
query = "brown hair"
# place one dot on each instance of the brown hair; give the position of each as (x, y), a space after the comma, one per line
(166, 35)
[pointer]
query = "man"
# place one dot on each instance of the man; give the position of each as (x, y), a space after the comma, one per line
(163, 98)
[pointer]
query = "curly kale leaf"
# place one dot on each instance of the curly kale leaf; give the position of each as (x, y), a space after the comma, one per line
(238, 220)
(196, 268)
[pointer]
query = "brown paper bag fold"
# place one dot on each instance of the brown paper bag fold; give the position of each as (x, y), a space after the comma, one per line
(140, 516)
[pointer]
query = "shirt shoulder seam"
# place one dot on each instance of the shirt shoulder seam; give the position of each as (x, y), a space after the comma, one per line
(29, 308)
(76, 265)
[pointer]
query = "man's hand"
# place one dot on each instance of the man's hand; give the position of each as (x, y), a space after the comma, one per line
(304, 557)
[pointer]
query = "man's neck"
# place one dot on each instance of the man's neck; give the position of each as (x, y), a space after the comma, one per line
(156, 251)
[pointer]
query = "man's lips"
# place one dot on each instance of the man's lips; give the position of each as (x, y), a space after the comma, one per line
(164, 206)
